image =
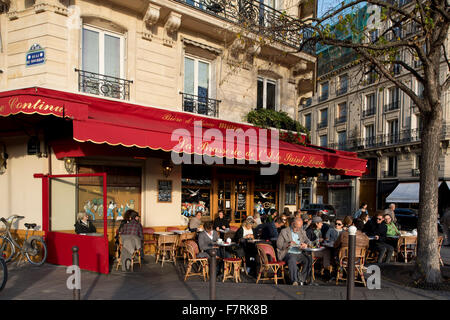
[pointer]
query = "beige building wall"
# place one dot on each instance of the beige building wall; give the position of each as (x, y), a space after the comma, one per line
(157, 34)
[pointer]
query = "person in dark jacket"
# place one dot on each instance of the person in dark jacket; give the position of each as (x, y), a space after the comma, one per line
(221, 223)
(83, 225)
(378, 229)
(269, 230)
(361, 221)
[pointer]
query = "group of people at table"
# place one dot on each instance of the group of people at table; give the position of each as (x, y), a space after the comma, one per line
(292, 234)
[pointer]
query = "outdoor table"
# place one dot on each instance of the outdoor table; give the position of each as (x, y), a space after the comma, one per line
(328, 244)
(180, 231)
(163, 233)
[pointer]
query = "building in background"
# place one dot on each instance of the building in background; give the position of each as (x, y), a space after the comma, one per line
(354, 109)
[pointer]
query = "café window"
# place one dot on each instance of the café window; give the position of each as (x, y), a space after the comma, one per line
(290, 194)
(123, 192)
(196, 191)
(265, 195)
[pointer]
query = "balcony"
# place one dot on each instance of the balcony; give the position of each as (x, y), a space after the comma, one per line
(389, 174)
(261, 18)
(306, 103)
(323, 96)
(103, 85)
(415, 172)
(368, 112)
(200, 105)
(342, 91)
(341, 119)
(322, 124)
(393, 105)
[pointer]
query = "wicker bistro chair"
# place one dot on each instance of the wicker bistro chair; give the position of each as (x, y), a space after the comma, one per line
(167, 245)
(149, 239)
(168, 229)
(406, 247)
(135, 257)
(360, 254)
(269, 268)
(201, 264)
(181, 250)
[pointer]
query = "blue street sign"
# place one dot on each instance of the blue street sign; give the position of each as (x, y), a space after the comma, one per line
(35, 56)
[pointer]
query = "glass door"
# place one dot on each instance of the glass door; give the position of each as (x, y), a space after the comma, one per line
(233, 198)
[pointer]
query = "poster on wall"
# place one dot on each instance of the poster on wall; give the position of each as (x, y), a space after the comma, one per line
(119, 200)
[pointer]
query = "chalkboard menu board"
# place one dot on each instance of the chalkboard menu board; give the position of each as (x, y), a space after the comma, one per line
(164, 190)
(242, 201)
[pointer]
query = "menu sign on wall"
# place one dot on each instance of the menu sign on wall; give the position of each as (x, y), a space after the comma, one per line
(164, 190)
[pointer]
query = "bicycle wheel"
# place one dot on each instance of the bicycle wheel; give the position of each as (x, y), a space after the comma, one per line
(7, 248)
(36, 253)
(3, 273)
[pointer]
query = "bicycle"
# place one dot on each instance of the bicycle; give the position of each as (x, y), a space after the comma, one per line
(33, 247)
(3, 273)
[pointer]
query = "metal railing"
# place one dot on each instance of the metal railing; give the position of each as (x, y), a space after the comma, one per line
(103, 85)
(322, 124)
(389, 173)
(369, 112)
(200, 105)
(340, 119)
(260, 18)
(394, 105)
(323, 96)
(342, 90)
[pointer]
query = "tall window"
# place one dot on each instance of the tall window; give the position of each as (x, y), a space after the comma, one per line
(323, 140)
(369, 132)
(371, 75)
(394, 97)
(371, 103)
(102, 52)
(267, 91)
(308, 121)
(392, 166)
(393, 134)
(323, 91)
(197, 85)
(373, 35)
(342, 140)
(341, 113)
(323, 118)
(343, 84)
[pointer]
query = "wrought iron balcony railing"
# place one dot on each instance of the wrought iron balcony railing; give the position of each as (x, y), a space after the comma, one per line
(323, 96)
(306, 103)
(322, 124)
(200, 105)
(342, 90)
(394, 105)
(369, 112)
(261, 18)
(390, 173)
(341, 119)
(103, 85)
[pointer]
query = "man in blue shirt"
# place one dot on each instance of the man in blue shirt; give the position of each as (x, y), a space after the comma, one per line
(290, 243)
(269, 230)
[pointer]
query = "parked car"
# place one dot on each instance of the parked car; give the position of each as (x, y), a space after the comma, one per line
(407, 219)
(314, 208)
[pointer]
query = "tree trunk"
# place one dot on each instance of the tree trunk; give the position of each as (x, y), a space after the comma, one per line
(427, 262)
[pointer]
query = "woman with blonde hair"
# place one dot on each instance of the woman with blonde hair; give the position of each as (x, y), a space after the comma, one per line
(83, 225)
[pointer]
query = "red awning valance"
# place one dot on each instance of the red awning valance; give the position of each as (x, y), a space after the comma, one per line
(112, 122)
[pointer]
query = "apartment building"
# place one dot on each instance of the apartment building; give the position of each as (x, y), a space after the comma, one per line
(355, 109)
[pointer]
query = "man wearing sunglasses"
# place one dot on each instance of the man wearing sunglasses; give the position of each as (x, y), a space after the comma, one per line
(379, 230)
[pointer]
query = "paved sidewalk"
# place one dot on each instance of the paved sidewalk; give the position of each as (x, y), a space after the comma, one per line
(153, 282)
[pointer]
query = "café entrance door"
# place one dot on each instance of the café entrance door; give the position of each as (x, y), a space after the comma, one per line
(234, 197)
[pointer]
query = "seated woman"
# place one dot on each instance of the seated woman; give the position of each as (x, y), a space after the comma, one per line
(83, 225)
(245, 249)
(314, 234)
(392, 231)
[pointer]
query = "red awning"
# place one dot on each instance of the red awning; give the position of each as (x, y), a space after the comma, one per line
(113, 122)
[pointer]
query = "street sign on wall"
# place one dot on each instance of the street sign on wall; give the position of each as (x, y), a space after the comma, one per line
(35, 56)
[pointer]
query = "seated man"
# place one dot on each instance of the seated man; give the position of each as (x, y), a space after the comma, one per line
(289, 244)
(195, 222)
(206, 242)
(270, 230)
(221, 223)
(132, 236)
(379, 231)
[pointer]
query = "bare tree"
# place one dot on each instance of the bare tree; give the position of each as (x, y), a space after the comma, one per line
(423, 26)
